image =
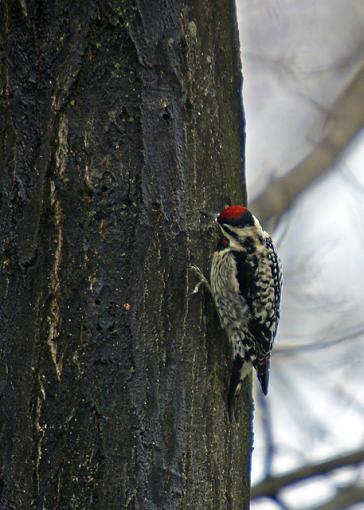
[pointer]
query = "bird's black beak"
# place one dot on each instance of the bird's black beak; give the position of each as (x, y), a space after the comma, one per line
(211, 215)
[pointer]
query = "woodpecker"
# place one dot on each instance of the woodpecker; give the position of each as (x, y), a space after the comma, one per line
(245, 283)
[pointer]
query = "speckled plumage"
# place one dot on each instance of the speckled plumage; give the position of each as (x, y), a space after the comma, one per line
(246, 280)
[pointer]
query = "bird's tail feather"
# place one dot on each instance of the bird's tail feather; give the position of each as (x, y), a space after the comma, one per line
(240, 370)
(263, 374)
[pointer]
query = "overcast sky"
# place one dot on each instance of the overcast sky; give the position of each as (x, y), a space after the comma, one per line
(297, 58)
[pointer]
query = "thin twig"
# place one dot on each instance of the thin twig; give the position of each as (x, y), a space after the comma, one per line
(271, 486)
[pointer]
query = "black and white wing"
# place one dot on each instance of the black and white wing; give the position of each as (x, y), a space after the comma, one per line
(260, 278)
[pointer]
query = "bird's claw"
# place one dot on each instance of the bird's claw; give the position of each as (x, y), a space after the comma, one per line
(196, 288)
(201, 277)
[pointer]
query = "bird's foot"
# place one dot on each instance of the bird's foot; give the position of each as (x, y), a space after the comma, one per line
(202, 279)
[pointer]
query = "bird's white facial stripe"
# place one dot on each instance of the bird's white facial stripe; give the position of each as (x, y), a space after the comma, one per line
(237, 232)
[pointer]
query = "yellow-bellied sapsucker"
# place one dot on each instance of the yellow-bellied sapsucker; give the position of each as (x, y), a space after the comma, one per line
(245, 283)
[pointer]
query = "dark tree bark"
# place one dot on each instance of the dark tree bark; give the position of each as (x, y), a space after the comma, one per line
(119, 120)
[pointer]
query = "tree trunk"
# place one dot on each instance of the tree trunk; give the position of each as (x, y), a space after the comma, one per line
(119, 121)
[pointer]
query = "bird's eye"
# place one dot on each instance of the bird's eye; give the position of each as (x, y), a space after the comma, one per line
(225, 242)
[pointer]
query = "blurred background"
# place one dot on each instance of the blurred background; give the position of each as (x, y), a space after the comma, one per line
(303, 67)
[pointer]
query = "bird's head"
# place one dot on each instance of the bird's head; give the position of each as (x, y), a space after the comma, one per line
(236, 216)
(233, 221)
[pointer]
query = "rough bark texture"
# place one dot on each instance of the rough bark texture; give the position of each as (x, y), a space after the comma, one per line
(119, 120)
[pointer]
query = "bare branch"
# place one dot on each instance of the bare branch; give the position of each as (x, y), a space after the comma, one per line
(346, 119)
(344, 498)
(280, 504)
(317, 343)
(272, 485)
